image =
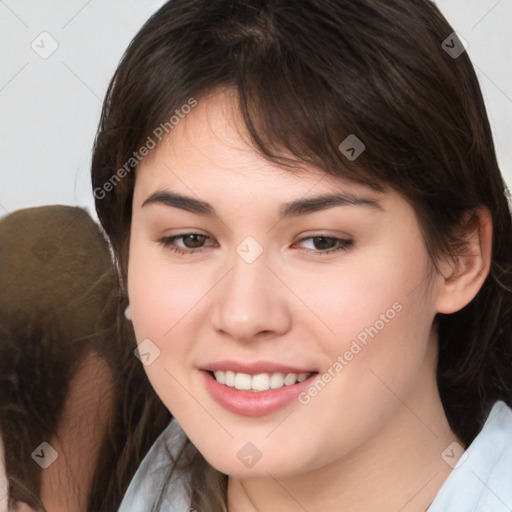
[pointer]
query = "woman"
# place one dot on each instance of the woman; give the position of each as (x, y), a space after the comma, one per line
(311, 226)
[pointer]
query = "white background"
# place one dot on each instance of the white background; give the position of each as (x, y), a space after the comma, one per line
(50, 107)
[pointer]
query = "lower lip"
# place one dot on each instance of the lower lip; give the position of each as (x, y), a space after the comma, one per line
(259, 403)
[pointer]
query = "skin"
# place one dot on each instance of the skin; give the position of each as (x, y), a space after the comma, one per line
(85, 418)
(373, 438)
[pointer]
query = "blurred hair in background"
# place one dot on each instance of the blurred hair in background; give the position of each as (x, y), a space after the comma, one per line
(68, 374)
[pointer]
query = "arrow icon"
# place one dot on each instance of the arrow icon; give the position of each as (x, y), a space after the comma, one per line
(249, 455)
(454, 45)
(249, 253)
(44, 45)
(45, 455)
(352, 147)
(146, 352)
(44, 249)
(454, 454)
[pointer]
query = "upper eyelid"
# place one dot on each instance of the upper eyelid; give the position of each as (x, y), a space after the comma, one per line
(319, 235)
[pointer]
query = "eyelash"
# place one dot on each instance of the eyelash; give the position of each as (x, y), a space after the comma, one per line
(169, 243)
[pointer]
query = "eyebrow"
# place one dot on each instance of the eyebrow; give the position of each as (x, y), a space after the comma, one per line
(294, 208)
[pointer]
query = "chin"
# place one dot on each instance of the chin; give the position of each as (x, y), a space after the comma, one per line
(244, 460)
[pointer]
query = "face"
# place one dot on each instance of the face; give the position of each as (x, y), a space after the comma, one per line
(273, 322)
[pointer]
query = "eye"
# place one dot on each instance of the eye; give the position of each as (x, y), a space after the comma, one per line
(327, 244)
(192, 243)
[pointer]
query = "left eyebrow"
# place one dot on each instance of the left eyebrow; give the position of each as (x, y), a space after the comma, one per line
(294, 208)
(325, 201)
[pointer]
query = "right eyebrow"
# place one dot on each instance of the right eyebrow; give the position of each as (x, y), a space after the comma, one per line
(189, 204)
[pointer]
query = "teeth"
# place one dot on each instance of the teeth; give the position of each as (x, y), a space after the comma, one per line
(260, 382)
(276, 381)
(243, 381)
(290, 379)
(230, 379)
(220, 377)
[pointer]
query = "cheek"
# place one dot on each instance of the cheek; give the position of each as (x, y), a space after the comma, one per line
(365, 293)
(164, 302)
(377, 315)
(381, 322)
(162, 296)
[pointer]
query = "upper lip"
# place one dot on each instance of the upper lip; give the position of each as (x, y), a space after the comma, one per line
(255, 367)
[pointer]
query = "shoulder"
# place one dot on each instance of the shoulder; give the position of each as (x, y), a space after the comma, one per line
(147, 482)
(481, 481)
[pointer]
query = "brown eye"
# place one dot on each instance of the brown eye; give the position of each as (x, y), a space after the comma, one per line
(193, 240)
(323, 245)
(322, 242)
(186, 243)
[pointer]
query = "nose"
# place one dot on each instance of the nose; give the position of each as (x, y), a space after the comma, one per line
(251, 302)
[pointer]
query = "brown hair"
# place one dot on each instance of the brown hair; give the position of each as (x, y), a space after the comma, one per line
(61, 301)
(307, 75)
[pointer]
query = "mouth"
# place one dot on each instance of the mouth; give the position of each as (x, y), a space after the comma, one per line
(260, 382)
(257, 393)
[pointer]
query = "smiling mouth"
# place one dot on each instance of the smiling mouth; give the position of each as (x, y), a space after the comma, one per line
(259, 382)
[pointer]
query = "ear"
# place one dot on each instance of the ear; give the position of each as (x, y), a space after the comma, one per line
(463, 277)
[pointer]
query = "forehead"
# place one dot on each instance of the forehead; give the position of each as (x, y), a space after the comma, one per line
(207, 166)
(210, 146)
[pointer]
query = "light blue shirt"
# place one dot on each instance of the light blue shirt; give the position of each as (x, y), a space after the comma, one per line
(481, 481)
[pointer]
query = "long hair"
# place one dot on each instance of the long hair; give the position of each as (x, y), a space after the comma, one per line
(60, 302)
(307, 75)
